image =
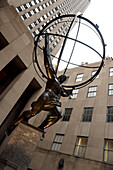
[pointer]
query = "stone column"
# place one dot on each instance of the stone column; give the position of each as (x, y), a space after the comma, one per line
(22, 144)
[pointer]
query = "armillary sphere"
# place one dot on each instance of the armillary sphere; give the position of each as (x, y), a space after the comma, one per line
(67, 21)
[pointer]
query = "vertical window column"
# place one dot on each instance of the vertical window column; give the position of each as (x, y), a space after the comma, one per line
(110, 114)
(74, 94)
(80, 146)
(110, 89)
(67, 114)
(56, 145)
(93, 72)
(87, 114)
(111, 71)
(92, 91)
(108, 151)
(79, 77)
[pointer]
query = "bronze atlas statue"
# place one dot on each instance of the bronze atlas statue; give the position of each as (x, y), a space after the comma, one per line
(50, 98)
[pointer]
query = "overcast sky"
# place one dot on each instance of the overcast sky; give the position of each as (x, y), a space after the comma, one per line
(99, 12)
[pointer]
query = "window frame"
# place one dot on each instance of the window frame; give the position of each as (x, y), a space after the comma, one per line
(57, 143)
(67, 114)
(74, 94)
(93, 72)
(85, 116)
(80, 146)
(92, 92)
(110, 89)
(111, 72)
(109, 150)
(109, 115)
(78, 79)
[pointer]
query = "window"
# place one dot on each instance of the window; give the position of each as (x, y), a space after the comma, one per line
(47, 3)
(111, 71)
(110, 90)
(36, 9)
(79, 77)
(28, 5)
(23, 17)
(74, 94)
(22, 7)
(32, 12)
(40, 8)
(93, 72)
(80, 146)
(92, 91)
(56, 145)
(87, 114)
(37, 1)
(32, 2)
(67, 114)
(27, 15)
(110, 114)
(3, 41)
(108, 151)
(25, 6)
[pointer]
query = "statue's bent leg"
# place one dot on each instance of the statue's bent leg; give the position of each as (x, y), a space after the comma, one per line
(52, 118)
(26, 115)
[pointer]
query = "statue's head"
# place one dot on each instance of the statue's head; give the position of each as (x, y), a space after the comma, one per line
(62, 78)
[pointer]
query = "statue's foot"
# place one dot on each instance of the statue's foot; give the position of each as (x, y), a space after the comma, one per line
(25, 120)
(40, 129)
(9, 130)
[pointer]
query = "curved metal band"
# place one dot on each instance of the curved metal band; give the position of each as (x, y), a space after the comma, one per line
(80, 85)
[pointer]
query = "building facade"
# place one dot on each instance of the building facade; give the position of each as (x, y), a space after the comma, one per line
(85, 130)
(37, 13)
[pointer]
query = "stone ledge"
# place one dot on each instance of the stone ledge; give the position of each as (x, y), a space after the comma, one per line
(8, 165)
(21, 145)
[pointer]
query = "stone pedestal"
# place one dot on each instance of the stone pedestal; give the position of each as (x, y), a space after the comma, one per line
(22, 144)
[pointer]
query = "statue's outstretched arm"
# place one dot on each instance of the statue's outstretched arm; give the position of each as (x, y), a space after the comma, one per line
(47, 60)
(66, 93)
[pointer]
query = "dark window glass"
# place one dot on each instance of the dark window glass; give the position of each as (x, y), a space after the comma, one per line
(25, 6)
(110, 114)
(87, 115)
(19, 8)
(24, 16)
(67, 114)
